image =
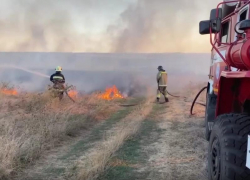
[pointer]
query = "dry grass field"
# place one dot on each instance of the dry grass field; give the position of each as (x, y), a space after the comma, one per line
(95, 138)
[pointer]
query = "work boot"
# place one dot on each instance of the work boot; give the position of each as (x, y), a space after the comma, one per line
(166, 99)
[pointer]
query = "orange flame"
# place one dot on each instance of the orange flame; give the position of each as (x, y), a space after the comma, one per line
(111, 93)
(9, 91)
(72, 93)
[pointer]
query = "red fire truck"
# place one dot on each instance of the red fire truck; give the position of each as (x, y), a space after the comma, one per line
(227, 116)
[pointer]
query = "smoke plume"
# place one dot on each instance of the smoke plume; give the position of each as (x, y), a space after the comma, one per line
(124, 26)
(103, 25)
(161, 26)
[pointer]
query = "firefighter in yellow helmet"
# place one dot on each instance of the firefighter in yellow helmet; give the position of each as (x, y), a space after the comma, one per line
(58, 79)
(57, 76)
(162, 84)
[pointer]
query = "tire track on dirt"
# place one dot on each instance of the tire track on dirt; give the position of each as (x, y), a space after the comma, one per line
(180, 152)
(131, 157)
(170, 145)
(59, 160)
(96, 160)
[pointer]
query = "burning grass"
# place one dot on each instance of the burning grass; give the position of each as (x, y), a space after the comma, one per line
(32, 123)
(7, 89)
(111, 93)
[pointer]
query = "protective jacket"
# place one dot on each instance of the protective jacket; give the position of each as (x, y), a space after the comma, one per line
(57, 76)
(162, 78)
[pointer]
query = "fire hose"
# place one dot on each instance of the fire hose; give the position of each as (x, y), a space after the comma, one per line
(129, 105)
(194, 101)
(174, 95)
(192, 106)
(196, 97)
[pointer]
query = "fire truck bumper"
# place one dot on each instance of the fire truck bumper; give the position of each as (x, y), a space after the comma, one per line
(248, 153)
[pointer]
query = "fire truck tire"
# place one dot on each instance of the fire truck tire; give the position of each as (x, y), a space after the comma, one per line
(227, 148)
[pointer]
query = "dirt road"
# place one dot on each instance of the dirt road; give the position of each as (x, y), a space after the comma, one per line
(169, 146)
(166, 144)
(180, 151)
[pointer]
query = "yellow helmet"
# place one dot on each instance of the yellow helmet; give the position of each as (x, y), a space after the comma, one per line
(58, 68)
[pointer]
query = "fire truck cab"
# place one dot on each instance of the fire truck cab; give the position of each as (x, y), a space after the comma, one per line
(227, 115)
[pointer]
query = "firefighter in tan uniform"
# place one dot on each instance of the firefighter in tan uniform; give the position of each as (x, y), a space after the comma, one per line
(162, 84)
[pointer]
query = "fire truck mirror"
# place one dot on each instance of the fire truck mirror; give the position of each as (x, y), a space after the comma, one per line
(205, 26)
(216, 25)
(214, 14)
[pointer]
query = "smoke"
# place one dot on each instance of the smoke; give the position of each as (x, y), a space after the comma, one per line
(148, 26)
(103, 25)
(131, 73)
(160, 26)
(42, 26)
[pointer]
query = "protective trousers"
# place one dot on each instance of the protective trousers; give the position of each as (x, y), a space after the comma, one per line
(162, 90)
(61, 88)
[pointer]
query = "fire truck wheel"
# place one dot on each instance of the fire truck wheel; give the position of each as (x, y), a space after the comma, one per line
(227, 148)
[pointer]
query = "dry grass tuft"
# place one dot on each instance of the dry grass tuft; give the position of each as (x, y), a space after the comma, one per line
(93, 163)
(32, 123)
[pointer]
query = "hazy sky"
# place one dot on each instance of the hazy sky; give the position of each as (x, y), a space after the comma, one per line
(150, 26)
